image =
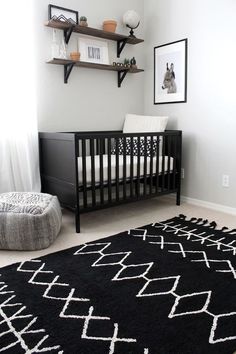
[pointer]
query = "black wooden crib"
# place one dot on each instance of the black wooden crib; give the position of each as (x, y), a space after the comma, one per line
(95, 170)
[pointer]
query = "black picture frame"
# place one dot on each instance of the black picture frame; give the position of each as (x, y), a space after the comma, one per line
(171, 59)
(72, 17)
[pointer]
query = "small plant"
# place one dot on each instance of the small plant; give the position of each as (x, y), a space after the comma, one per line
(83, 21)
(126, 62)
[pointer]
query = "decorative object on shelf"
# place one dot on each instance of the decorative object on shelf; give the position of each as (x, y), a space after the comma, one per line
(127, 63)
(63, 50)
(55, 47)
(93, 51)
(63, 14)
(131, 20)
(133, 63)
(109, 25)
(118, 64)
(75, 56)
(83, 21)
(170, 72)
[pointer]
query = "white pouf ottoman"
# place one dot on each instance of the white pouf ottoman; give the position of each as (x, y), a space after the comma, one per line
(28, 221)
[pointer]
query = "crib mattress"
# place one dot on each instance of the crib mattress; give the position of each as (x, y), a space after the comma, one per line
(167, 167)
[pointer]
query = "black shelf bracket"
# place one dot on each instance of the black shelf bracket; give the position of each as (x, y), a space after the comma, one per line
(121, 75)
(120, 46)
(67, 71)
(68, 33)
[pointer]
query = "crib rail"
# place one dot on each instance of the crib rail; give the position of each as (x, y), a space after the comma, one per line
(115, 168)
(94, 170)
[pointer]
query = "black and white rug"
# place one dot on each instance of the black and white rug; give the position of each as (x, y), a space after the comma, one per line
(166, 288)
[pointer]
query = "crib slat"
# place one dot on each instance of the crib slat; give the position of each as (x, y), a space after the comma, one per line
(93, 172)
(103, 145)
(179, 164)
(145, 166)
(101, 171)
(157, 163)
(163, 166)
(77, 206)
(151, 165)
(124, 168)
(168, 164)
(84, 173)
(109, 170)
(138, 169)
(131, 167)
(117, 170)
(174, 162)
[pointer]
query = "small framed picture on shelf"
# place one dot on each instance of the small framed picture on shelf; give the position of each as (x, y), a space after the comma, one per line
(170, 72)
(63, 14)
(93, 51)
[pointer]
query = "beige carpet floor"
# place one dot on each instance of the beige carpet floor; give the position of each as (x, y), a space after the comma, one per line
(103, 223)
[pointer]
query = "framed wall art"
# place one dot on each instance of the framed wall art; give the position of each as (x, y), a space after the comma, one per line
(170, 72)
(93, 51)
(63, 14)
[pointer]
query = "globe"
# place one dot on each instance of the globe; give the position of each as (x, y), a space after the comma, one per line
(131, 19)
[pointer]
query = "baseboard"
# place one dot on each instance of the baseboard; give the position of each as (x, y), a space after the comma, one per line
(213, 206)
(204, 204)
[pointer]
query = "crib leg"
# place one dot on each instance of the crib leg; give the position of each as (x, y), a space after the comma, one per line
(178, 197)
(137, 189)
(77, 221)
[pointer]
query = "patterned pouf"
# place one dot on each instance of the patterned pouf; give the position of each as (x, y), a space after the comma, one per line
(28, 221)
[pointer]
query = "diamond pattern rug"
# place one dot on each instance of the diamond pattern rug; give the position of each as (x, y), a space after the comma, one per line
(165, 288)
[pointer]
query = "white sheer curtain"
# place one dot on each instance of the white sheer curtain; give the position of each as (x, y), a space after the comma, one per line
(19, 168)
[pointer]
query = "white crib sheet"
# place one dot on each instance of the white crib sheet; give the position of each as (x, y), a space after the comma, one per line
(113, 167)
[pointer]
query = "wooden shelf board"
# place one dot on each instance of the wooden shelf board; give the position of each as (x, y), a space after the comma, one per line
(89, 31)
(84, 64)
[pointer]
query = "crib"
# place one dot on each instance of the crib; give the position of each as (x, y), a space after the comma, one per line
(88, 171)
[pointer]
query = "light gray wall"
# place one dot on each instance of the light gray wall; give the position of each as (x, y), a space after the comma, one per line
(208, 119)
(91, 100)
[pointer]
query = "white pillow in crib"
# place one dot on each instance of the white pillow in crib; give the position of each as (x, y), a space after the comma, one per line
(145, 124)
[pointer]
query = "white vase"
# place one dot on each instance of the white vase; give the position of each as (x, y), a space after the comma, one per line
(63, 49)
(55, 47)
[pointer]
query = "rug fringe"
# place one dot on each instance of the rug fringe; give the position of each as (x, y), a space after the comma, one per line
(199, 221)
(206, 223)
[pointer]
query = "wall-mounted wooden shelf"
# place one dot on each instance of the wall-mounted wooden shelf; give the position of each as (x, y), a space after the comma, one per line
(69, 64)
(68, 29)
